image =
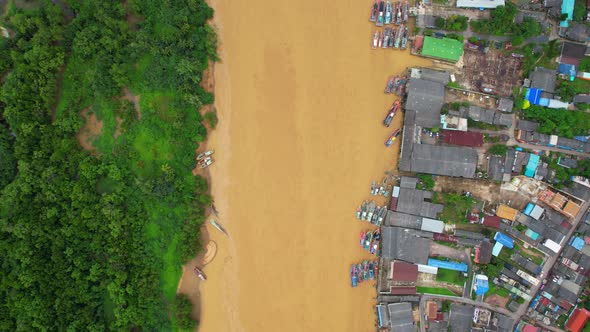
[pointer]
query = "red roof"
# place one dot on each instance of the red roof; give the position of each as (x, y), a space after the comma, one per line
(403, 290)
(492, 221)
(403, 271)
(464, 138)
(565, 224)
(529, 328)
(483, 253)
(432, 309)
(544, 301)
(577, 320)
(565, 304)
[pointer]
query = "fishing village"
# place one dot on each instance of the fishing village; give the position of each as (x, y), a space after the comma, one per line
(482, 224)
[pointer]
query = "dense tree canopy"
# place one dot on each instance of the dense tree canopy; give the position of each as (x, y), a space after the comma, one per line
(559, 122)
(94, 240)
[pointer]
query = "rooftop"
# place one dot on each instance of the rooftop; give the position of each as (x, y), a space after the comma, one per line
(505, 105)
(480, 3)
(577, 320)
(402, 271)
(483, 253)
(464, 138)
(544, 79)
(413, 201)
(442, 48)
(429, 74)
(404, 244)
(572, 53)
(401, 318)
(444, 160)
(527, 125)
(426, 98)
(460, 317)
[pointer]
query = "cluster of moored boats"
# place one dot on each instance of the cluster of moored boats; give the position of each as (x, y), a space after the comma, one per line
(384, 12)
(391, 38)
(370, 240)
(369, 211)
(367, 270)
(396, 85)
(380, 190)
(204, 159)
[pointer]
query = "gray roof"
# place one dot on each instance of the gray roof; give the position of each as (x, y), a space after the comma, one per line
(496, 168)
(409, 134)
(571, 143)
(444, 160)
(578, 32)
(461, 317)
(544, 79)
(384, 313)
(568, 162)
(413, 201)
(509, 163)
(468, 234)
(401, 317)
(429, 74)
(579, 191)
(403, 220)
(426, 98)
(571, 286)
(480, 3)
(426, 21)
(582, 99)
(505, 105)
(505, 323)
(404, 244)
(480, 114)
(525, 263)
(408, 182)
(502, 119)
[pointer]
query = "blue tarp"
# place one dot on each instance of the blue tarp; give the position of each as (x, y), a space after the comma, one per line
(581, 138)
(533, 96)
(531, 167)
(504, 239)
(456, 266)
(529, 209)
(577, 243)
(481, 286)
(568, 70)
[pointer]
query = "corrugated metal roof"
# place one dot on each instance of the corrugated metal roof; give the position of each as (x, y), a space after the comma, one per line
(480, 3)
(432, 225)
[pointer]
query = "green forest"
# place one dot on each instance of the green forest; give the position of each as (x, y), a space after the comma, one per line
(94, 239)
(560, 122)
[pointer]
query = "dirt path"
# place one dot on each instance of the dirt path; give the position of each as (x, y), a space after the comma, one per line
(300, 101)
(91, 129)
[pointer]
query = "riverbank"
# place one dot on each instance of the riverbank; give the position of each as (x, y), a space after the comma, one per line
(300, 103)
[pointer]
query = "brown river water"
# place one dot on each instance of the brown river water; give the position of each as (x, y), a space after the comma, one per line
(299, 93)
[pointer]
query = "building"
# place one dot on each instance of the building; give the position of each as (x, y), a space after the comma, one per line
(579, 99)
(527, 125)
(483, 252)
(461, 317)
(429, 74)
(400, 317)
(505, 105)
(416, 202)
(543, 79)
(402, 272)
(577, 320)
(567, 7)
(443, 160)
(451, 123)
(567, 162)
(504, 240)
(506, 212)
(442, 48)
(449, 265)
(426, 21)
(426, 98)
(404, 244)
(481, 285)
(463, 138)
(578, 32)
(383, 316)
(479, 4)
(492, 221)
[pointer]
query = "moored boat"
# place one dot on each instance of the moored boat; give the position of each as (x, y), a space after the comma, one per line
(381, 14)
(373, 186)
(392, 137)
(364, 210)
(371, 211)
(363, 236)
(359, 269)
(374, 11)
(371, 271)
(391, 37)
(398, 20)
(200, 273)
(375, 39)
(358, 213)
(353, 276)
(389, 85)
(406, 11)
(205, 162)
(385, 38)
(380, 41)
(218, 226)
(388, 12)
(404, 39)
(205, 154)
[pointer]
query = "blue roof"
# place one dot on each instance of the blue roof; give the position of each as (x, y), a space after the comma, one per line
(567, 7)
(481, 286)
(533, 96)
(531, 167)
(577, 243)
(567, 69)
(529, 208)
(532, 234)
(504, 239)
(448, 265)
(581, 138)
(497, 248)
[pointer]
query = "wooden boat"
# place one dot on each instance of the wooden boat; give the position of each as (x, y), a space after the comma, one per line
(200, 273)
(389, 85)
(371, 271)
(380, 17)
(391, 38)
(358, 213)
(392, 137)
(374, 11)
(363, 235)
(368, 240)
(206, 162)
(371, 211)
(218, 226)
(380, 41)
(365, 270)
(353, 276)
(359, 269)
(214, 210)
(375, 39)
(406, 11)
(364, 210)
(385, 38)
(388, 12)
(404, 39)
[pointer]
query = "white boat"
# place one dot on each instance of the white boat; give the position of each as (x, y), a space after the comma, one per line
(206, 162)
(218, 226)
(205, 154)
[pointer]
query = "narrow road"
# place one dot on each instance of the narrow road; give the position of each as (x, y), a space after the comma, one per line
(551, 261)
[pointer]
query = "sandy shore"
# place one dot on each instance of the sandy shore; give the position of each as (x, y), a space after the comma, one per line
(299, 95)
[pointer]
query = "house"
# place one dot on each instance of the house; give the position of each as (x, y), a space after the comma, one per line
(577, 320)
(431, 310)
(478, 4)
(506, 212)
(543, 79)
(567, 162)
(505, 105)
(579, 99)
(527, 125)
(416, 202)
(403, 272)
(483, 252)
(400, 316)
(429, 74)
(572, 53)
(461, 317)
(578, 32)
(492, 221)
(426, 21)
(463, 138)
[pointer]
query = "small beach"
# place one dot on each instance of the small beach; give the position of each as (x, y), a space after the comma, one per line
(299, 94)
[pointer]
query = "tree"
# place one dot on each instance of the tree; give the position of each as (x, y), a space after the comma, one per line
(439, 22)
(498, 150)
